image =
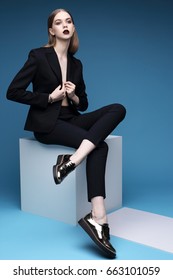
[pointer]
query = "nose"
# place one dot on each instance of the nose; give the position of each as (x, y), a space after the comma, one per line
(65, 25)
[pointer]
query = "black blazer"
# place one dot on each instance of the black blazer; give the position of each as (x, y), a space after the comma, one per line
(42, 69)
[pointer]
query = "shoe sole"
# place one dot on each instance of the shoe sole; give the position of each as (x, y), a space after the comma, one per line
(59, 161)
(55, 175)
(85, 226)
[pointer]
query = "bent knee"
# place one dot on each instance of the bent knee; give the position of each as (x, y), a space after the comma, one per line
(121, 109)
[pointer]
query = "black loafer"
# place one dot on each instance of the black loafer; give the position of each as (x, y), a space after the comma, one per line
(99, 234)
(62, 168)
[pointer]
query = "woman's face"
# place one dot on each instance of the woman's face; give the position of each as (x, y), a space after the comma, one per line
(62, 26)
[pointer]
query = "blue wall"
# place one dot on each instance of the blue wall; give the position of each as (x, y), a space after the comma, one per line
(126, 47)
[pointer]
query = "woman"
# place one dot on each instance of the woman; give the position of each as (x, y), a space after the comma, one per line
(57, 97)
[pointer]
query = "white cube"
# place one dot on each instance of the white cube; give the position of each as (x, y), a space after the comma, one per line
(67, 202)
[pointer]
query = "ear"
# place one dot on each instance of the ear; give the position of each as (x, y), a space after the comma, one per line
(51, 32)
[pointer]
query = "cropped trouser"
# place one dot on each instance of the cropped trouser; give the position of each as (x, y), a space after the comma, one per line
(71, 130)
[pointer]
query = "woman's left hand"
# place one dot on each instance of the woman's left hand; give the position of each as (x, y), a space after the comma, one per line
(70, 89)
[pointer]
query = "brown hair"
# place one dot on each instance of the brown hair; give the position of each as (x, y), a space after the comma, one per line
(74, 43)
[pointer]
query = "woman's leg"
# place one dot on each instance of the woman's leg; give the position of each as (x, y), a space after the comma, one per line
(85, 148)
(86, 133)
(100, 123)
(99, 210)
(69, 135)
(95, 127)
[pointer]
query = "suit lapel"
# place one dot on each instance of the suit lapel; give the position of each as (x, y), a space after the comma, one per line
(54, 64)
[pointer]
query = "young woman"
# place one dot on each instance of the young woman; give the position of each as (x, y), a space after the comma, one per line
(54, 116)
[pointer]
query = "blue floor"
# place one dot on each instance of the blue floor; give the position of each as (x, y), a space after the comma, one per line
(26, 236)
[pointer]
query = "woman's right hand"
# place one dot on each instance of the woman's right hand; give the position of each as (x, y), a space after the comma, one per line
(58, 94)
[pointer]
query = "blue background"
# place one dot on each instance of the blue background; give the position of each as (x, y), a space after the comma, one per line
(126, 47)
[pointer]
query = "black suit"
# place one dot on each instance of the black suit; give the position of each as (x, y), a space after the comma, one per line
(42, 69)
(53, 124)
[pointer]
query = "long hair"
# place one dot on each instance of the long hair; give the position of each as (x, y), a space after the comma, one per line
(74, 42)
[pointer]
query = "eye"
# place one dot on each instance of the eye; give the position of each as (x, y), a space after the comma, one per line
(57, 23)
(69, 21)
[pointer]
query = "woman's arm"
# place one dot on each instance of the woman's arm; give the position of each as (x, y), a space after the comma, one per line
(17, 90)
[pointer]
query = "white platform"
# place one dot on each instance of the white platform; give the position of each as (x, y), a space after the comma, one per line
(68, 201)
(143, 227)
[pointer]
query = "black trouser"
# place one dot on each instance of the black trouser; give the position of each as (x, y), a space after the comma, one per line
(71, 130)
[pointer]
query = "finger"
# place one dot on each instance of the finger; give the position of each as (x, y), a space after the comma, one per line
(63, 87)
(69, 87)
(68, 83)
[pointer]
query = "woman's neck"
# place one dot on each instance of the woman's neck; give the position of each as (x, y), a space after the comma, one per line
(61, 48)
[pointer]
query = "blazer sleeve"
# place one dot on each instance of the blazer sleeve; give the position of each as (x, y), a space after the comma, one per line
(17, 90)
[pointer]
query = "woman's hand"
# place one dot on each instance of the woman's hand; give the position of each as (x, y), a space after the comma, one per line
(70, 89)
(70, 92)
(67, 90)
(58, 94)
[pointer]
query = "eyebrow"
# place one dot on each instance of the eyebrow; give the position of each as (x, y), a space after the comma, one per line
(58, 19)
